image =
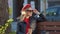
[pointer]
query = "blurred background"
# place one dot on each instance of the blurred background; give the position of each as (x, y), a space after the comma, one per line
(12, 8)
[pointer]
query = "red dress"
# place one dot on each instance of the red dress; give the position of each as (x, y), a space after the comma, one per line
(27, 23)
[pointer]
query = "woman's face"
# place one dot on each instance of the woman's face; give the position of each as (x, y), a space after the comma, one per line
(29, 13)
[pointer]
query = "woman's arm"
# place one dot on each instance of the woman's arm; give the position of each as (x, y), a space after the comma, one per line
(21, 17)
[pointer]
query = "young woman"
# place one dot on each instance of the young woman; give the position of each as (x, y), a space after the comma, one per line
(27, 21)
(24, 26)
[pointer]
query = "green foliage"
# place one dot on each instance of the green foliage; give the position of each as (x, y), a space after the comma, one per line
(3, 28)
(51, 13)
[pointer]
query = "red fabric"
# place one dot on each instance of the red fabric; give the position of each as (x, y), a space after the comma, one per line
(28, 25)
(26, 6)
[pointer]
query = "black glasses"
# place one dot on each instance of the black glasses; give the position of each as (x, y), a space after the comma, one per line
(29, 10)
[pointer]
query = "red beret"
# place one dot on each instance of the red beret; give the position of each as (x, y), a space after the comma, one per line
(26, 6)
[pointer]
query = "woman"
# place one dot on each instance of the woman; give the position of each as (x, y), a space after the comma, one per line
(28, 19)
(24, 23)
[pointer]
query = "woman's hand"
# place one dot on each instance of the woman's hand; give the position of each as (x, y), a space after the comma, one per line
(23, 12)
(36, 11)
(22, 16)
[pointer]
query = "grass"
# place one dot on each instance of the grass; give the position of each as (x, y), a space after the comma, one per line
(12, 33)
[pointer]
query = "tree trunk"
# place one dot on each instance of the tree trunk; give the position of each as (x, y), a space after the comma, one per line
(4, 13)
